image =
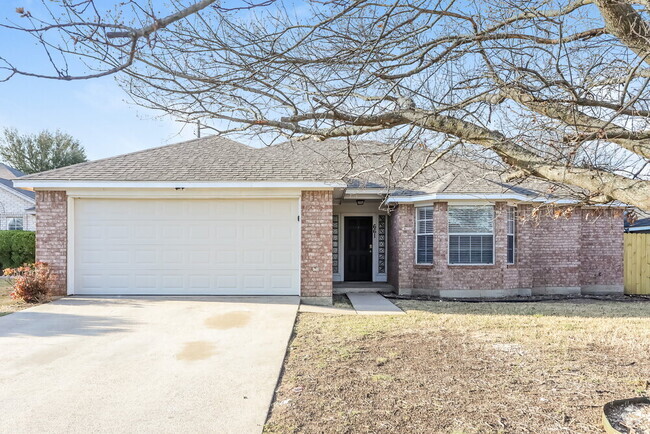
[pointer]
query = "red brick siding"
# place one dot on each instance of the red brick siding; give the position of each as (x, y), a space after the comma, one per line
(52, 235)
(401, 246)
(569, 251)
(555, 242)
(316, 244)
(602, 247)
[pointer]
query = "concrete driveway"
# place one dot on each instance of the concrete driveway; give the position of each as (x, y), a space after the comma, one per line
(143, 364)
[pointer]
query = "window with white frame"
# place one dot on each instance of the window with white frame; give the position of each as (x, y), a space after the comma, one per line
(512, 234)
(424, 235)
(15, 224)
(471, 234)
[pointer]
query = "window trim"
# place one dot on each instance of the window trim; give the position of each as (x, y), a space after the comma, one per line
(418, 234)
(513, 209)
(449, 234)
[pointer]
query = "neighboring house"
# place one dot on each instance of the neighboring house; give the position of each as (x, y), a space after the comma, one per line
(641, 226)
(213, 216)
(17, 210)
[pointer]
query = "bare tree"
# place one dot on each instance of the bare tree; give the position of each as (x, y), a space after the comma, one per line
(554, 89)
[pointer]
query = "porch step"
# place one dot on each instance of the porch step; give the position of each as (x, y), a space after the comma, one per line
(362, 287)
(373, 304)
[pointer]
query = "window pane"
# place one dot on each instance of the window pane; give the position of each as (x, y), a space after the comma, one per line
(425, 212)
(471, 249)
(511, 250)
(453, 249)
(475, 250)
(470, 219)
(425, 226)
(15, 224)
(424, 238)
(487, 249)
(425, 249)
(464, 244)
(512, 215)
(425, 220)
(512, 234)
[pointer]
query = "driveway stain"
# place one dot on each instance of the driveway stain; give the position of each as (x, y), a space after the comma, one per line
(229, 320)
(197, 350)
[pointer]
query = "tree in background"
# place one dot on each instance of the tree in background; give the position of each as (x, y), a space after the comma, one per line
(550, 89)
(31, 153)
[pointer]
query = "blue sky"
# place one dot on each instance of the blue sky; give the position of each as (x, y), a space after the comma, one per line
(94, 111)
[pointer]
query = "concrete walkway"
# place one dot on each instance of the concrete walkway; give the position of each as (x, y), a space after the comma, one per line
(373, 304)
(143, 364)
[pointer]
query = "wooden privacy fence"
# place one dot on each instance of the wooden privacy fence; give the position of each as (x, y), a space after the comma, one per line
(637, 263)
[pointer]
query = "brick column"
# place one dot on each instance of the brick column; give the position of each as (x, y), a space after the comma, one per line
(316, 246)
(52, 236)
(401, 248)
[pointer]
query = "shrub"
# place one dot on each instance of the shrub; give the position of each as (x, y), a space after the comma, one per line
(17, 248)
(31, 282)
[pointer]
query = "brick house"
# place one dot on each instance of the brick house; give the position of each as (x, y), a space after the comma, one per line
(215, 217)
(17, 210)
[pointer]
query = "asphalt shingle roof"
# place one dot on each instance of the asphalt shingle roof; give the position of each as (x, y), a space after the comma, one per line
(8, 174)
(362, 164)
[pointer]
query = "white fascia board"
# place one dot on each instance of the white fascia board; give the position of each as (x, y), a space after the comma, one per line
(472, 196)
(63, 184)
(366, 191)
(639, 228)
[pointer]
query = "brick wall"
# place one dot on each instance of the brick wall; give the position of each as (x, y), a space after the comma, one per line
(555, 241)
(52, 235)
(581, 249)
(316, 244)
(601, 248)
(401, 246)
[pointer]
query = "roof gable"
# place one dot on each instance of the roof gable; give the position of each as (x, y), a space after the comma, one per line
(7, 172)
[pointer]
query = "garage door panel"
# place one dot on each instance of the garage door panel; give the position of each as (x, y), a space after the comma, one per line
(186, 246)
(281, 281)
(171, 282)
(118, 281)
(281, 258)
(224, 257)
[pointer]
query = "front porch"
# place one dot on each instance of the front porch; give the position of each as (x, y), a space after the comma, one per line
(360, 287)
(359, 245)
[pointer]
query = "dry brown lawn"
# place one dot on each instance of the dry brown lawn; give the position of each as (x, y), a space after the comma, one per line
(8, 304)
(464, 368)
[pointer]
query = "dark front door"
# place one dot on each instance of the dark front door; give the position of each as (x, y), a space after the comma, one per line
(358, 249)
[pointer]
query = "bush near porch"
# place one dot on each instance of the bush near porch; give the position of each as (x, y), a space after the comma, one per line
(17, 248)
(464, 367)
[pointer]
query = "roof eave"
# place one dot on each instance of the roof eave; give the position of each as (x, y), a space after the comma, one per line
(63, 184)
(477, 196)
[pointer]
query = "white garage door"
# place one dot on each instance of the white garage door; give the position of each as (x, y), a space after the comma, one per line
(199, 247)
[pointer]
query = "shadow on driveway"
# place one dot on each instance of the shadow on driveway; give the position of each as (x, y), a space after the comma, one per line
(34, 323)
